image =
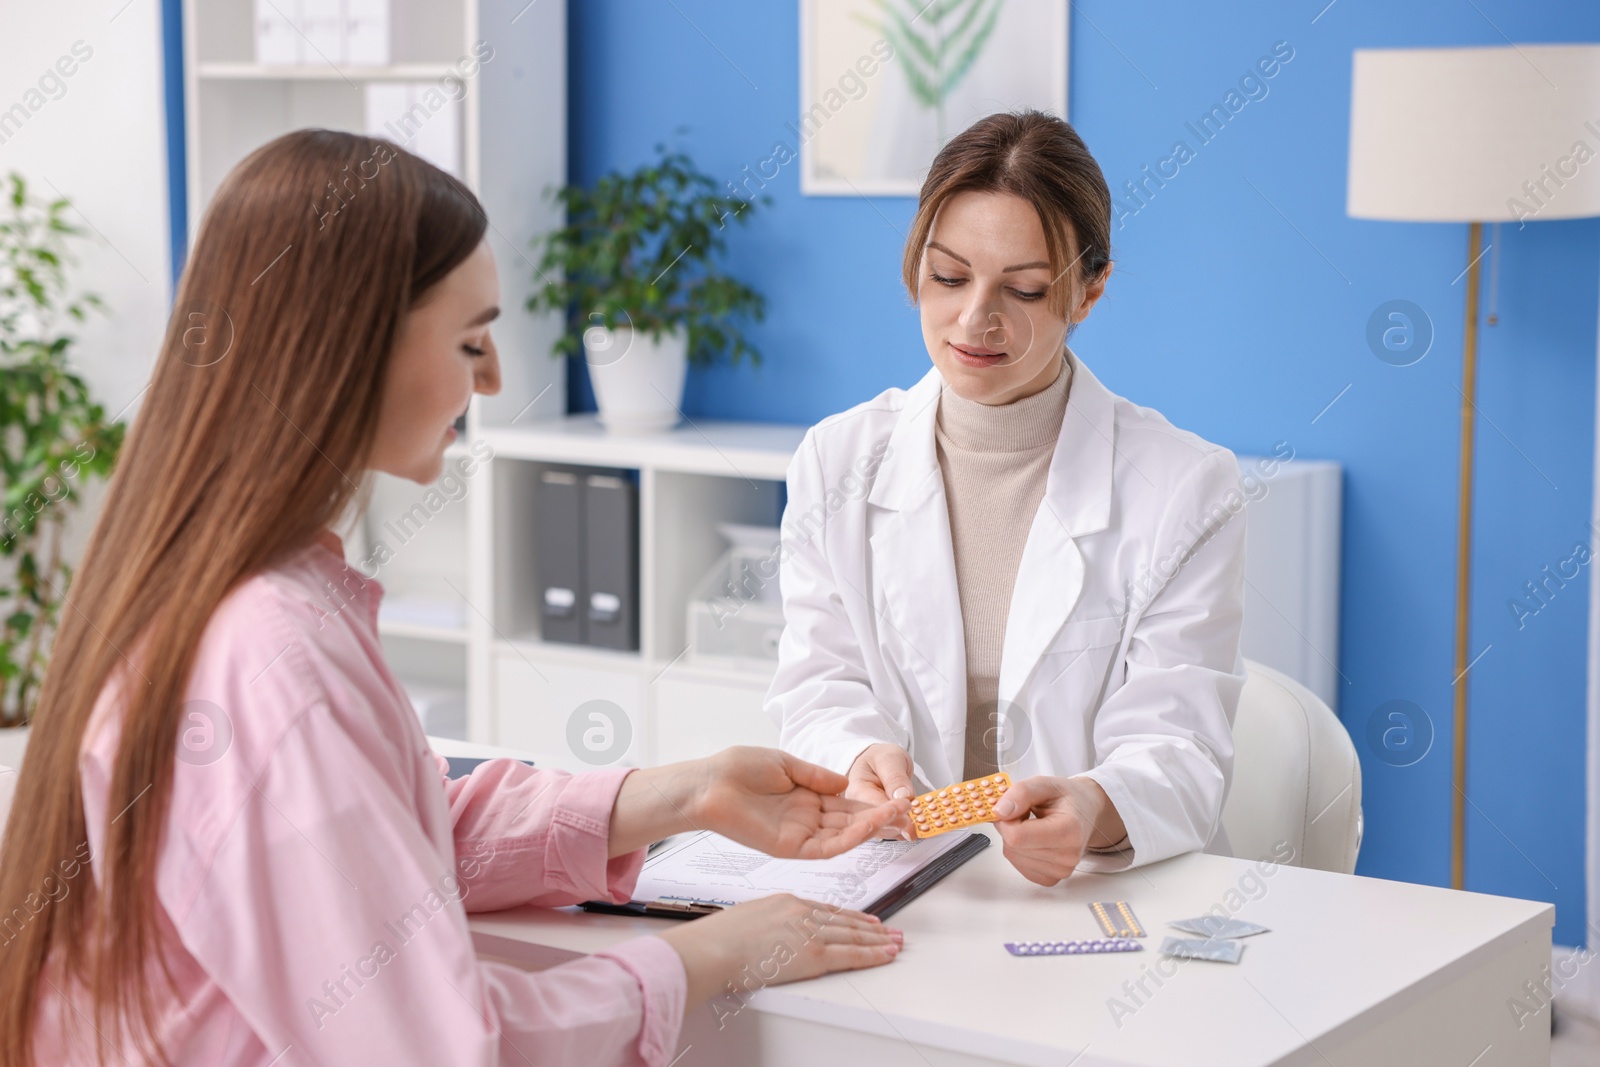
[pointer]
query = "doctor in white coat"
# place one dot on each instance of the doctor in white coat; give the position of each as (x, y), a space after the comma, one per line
(1008, 566)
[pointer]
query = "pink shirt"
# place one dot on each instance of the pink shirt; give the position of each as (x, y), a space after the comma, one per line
(317, 865)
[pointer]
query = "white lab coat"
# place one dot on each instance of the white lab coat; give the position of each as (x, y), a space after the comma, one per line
(1121, 656)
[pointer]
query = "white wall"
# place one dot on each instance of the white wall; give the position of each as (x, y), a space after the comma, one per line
(102, 144)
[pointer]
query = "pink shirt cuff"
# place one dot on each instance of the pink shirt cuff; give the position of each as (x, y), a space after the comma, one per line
(535, 836)
(664, 986)
(580, 838)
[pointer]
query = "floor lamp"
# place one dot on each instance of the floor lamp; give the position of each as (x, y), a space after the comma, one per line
(1473, 135)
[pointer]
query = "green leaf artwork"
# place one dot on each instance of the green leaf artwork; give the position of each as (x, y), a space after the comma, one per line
(937, 43)
(53, 434)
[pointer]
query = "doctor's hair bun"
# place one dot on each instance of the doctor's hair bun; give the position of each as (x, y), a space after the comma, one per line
(1040, 158)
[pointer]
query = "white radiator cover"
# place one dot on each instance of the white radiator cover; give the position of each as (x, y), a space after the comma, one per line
(1291, 612)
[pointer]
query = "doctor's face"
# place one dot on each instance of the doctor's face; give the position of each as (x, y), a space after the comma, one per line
(985, 315)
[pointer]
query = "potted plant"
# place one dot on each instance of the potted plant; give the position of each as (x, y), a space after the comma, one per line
(52, 436)
(633, 270)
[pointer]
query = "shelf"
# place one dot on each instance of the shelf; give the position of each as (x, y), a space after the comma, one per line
(579, 655)
(749, 450)
(322, 72)
(417, 632)
(683, 669)
(419, 32)
(693, 670)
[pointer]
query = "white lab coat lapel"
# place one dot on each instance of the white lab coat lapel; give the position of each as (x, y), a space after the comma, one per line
(915, 562)
(1077, 501)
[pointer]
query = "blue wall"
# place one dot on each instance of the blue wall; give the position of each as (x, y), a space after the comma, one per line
(1235, 324)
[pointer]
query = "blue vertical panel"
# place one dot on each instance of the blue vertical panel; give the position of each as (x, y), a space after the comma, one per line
(177, 171)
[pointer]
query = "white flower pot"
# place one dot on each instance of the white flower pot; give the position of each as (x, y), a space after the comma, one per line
(638, 381)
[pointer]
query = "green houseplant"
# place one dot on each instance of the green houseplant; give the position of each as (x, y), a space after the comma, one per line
(52, 434)
(634, 272)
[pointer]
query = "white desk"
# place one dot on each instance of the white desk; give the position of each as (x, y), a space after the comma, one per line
(1357, 972)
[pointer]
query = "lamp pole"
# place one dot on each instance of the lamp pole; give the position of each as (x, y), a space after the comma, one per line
(1469, 387)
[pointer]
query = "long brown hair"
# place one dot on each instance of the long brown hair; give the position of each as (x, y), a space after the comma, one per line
(252, 438)
(1040, 158)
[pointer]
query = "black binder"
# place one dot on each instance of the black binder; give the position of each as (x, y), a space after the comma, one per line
(611, 569)
(586, 557)
(558, 556)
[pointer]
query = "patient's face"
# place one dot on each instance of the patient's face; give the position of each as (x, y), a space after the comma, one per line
(982, 294)
(443, 354)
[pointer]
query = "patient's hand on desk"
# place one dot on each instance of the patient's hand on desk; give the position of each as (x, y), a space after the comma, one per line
(1046, 822)
(784, 806)
(776, 939)
(879, 773)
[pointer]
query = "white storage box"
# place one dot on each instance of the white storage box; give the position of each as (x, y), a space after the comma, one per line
(443, 711)
(736, 611)
(321, 32)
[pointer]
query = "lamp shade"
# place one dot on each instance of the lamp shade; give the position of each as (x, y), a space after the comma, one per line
(1501, 134)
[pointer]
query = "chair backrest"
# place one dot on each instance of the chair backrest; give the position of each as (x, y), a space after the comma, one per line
(1296, 778)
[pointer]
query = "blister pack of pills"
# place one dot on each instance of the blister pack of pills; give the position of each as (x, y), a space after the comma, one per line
(958, 806)
(1116, 918)
(1086, 947)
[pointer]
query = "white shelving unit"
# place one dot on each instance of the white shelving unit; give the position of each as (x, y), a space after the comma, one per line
(511, 117)
(525, 690)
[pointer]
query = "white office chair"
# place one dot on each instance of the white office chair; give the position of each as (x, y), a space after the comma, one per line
(1296, 778)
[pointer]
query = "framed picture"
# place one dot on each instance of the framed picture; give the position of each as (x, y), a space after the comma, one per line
(885, 83)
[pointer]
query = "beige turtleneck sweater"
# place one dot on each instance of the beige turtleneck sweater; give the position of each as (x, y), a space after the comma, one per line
(994, 460)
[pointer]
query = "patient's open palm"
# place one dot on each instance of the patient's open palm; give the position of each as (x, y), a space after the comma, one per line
(784, 806)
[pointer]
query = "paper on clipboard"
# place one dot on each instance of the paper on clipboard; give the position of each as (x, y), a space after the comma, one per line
(707, 868)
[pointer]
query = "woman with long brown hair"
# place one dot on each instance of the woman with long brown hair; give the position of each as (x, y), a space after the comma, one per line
(286, 882)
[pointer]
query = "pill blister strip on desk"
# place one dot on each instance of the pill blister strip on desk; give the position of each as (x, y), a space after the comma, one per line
(1116, 918)
(958, 806)
(1086, 947)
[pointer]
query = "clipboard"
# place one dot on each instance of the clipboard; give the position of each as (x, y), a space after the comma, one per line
(925, 879)
(883, 905)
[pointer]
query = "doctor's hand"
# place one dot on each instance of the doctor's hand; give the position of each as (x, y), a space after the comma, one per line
(882, 773)
(1047, 822)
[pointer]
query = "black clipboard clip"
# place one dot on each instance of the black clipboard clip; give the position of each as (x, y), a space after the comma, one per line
(652, 909)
